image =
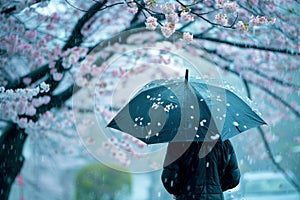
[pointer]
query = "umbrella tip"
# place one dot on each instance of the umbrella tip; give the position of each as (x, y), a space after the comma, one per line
(186, 75)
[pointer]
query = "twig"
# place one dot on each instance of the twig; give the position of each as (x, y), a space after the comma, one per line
(248, 46)
(268, 148)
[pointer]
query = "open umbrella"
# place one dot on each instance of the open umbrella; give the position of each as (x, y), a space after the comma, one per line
(185, 109)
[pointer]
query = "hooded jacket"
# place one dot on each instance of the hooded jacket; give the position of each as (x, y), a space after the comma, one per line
(203, 171)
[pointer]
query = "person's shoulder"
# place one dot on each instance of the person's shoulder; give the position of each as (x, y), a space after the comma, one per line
(227, 142)
(227, 145)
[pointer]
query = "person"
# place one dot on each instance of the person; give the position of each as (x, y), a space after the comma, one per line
(203, 172)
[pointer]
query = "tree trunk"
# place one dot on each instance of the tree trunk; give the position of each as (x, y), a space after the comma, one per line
(11, 158)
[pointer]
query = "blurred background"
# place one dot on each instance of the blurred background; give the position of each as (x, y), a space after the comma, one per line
(67, 67)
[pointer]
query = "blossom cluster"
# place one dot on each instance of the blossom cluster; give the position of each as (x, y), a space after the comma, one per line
(228, 7)
(172, 17)
(151, 23)
(15, 103)
(259, 21)
(222, 18)
(72, 56)
(132, 7)
(27, 93)
(185, 14)
(243, 27)
(86, 72)
(121, 148)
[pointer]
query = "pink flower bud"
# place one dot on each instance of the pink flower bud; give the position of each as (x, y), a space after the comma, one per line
(27, 80)
(31, 34)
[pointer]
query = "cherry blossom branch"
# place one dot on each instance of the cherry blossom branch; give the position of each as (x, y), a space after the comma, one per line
(256, 71)
(200, 15)
(268, 148)
(13, 8)
(276, 80)
(75, 39)
(57, 101)
(264, 89)
(248, 46)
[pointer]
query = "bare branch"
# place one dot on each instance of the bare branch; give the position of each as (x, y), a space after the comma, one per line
(268, 148)
(248, 46)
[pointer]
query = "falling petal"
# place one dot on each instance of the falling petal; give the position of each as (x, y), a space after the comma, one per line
(155, 106)
(215, 137)
(235, 123)
(188, 187)
(202, 122)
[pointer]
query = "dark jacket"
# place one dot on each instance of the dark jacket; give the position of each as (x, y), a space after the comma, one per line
(201, 174)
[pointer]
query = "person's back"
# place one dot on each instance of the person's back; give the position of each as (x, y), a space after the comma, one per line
(200, 174)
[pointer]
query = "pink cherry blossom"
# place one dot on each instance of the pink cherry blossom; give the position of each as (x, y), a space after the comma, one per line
(57, 76)
(222, 18)
(151, 23)
(172, 17)
(21, 107)
(186, 17)
(168, 8)
(55, 17)
(168, 29)
(23, 122)
(30, 110)
(27, 80)
(241, 28)
(31, 34)
(230, 7)
(44, 87)
(187, 37)
(132, 7)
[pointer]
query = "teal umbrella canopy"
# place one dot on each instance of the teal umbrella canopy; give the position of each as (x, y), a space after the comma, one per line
(185, 109)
